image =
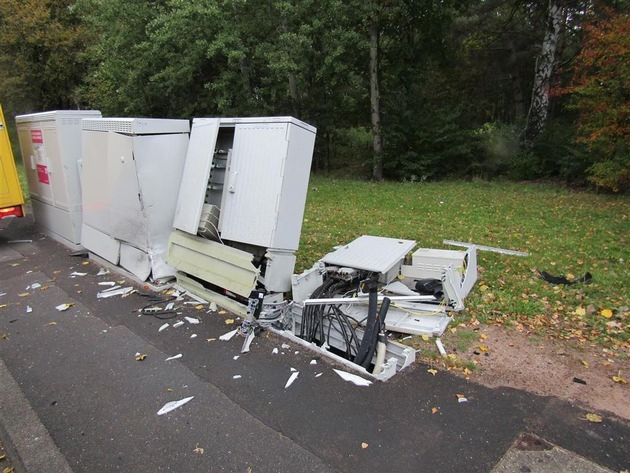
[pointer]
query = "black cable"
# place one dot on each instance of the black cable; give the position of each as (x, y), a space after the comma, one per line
(154, 313)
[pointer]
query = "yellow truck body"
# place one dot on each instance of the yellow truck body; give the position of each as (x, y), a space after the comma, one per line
(11, 197)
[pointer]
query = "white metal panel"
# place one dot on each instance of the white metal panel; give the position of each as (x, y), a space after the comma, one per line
(263, 120)
(56, 114)
(254, 183)
(296, 172)
(95, 189)
(136, 261)
(100, 243)
(370, 253)
(201, 148)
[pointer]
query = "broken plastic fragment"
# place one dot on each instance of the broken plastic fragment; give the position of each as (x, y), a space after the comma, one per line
(194, 335)
(237, 376)
(235, 357)
(170, 406)
(364, 445)
(440, 347)
(192, 320)
(313, 362)
(174, 357)
(292, 378)
(75, 273)
(163, 327)
(285, 346)
(35, 285)
(293, 370)
(353, 378)
(318, 375)
(102, 272)
(62, 307)
(274, 351)
(29, 309)
(114, 292)
(140, 357)
(178, 324)
(228, 336)
(169, 306)
(213, 307)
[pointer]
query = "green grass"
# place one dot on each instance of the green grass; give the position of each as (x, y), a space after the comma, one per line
(565, 231)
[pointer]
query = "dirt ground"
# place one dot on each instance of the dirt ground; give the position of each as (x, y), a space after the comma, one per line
(581, 375)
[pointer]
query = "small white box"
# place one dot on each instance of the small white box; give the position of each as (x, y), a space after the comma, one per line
(430, 263)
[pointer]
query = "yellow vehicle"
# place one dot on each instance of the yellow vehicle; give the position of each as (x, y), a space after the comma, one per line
(11, 197)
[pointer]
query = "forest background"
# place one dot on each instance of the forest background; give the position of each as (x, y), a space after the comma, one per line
(408, 90)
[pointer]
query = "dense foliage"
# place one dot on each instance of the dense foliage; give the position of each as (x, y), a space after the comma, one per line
(461, 85)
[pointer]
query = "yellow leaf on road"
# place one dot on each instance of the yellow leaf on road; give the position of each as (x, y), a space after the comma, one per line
(229, 321)
(432, 371)
(434, 410)
(593, 418)
(585, 363)
(364, 445)
(483, 348)
(141, 357)
(619, 379)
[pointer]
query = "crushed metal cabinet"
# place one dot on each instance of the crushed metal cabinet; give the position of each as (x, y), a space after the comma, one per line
(132, 170)
(254, 170)
(51, 150)
(244, 185)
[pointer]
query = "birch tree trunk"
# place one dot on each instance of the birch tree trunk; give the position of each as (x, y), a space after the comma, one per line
(375, 102)
(545, 66)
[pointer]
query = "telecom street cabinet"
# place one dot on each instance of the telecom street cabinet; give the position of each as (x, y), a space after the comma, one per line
(245, 185)
(51, 149)
(132, 169)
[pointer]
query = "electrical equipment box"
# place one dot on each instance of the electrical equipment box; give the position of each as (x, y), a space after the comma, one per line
(11, 198)
(244, 188)
(51, 149)
(132, 170)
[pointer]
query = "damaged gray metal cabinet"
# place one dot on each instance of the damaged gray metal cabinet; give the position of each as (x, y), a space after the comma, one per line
(252, 173)
(264, 163)
(132, 170)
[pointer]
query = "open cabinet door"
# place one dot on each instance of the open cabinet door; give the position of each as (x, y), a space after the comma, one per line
(203, 140)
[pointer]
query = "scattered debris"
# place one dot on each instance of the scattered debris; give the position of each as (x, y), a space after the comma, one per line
(592, 418)
(163, 327)
(229, 321)
(178, 324)
(198, 449)
(20, 241)
(284, 346)
(141, 357)
(587, 278)
(364, 445)
(174, 357)
(433, 371)
(123, 291)
(292, 378)
(75, 274)
(192, 320)
(228, 336)
(35, 285)
(353, 378)
(236, 357)
(619, 379)
(213, 307)
(63, 307)
(318, 375)
(275, 351)
(237, 376)
(194, 335)
(102, 272)
(440, 347)
(579, 381)
(170, 406)
(107, 283)
(313, 362)
(293, 370)
(29, 309)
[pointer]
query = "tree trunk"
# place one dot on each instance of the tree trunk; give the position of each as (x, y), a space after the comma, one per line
(375, 101)
(545, 65)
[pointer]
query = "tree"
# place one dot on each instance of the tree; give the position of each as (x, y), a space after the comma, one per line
(601, 88)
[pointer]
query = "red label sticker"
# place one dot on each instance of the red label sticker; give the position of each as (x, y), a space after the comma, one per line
(42, 174)
(37, 137)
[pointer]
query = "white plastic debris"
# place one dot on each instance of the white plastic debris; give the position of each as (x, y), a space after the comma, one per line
(462, 400)
(313, 362)
(292, 378)
(192, 320)
(107, 283)
(169, 306)
(178, 324)
(163, 327)
(76, 273)
(171, 406)
(213, 307)
(440, 347)
(194, 335)
(274, 351)
(318, 375)
(102, 272)
(35, 285)
(237, 376)
(293, 370)
(62, 307)
(353, 378)
(228, 336)
(29, 309)
(174, 357)
(111, 292)
(236, 357)
(285, 346)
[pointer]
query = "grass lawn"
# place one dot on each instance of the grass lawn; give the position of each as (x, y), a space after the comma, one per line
(566, 232)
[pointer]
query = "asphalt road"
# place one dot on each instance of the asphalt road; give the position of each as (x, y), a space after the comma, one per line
(75, 372)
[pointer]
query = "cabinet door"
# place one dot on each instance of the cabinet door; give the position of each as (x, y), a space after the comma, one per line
(253, 183)
(56, 172)
(192, 192)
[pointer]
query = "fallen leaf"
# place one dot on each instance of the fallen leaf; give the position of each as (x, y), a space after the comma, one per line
(23, 294)
(585, 363)
(52, 323)
(229, 321)
(593, 418)
(452, 356)
(432, 371)
(483, 348)
(64, 307)
(364, 445)
(2, 457)
(425, 338)
(580, 311)
(483, 288)
(606, 313)
(459, 396)
(141, 357)
(210, 339)
(85, 263)
(434, 410)
(619, 379)
(199, 306)
(4, 336)
(8, 469)
(3, 305)
(198, 449)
